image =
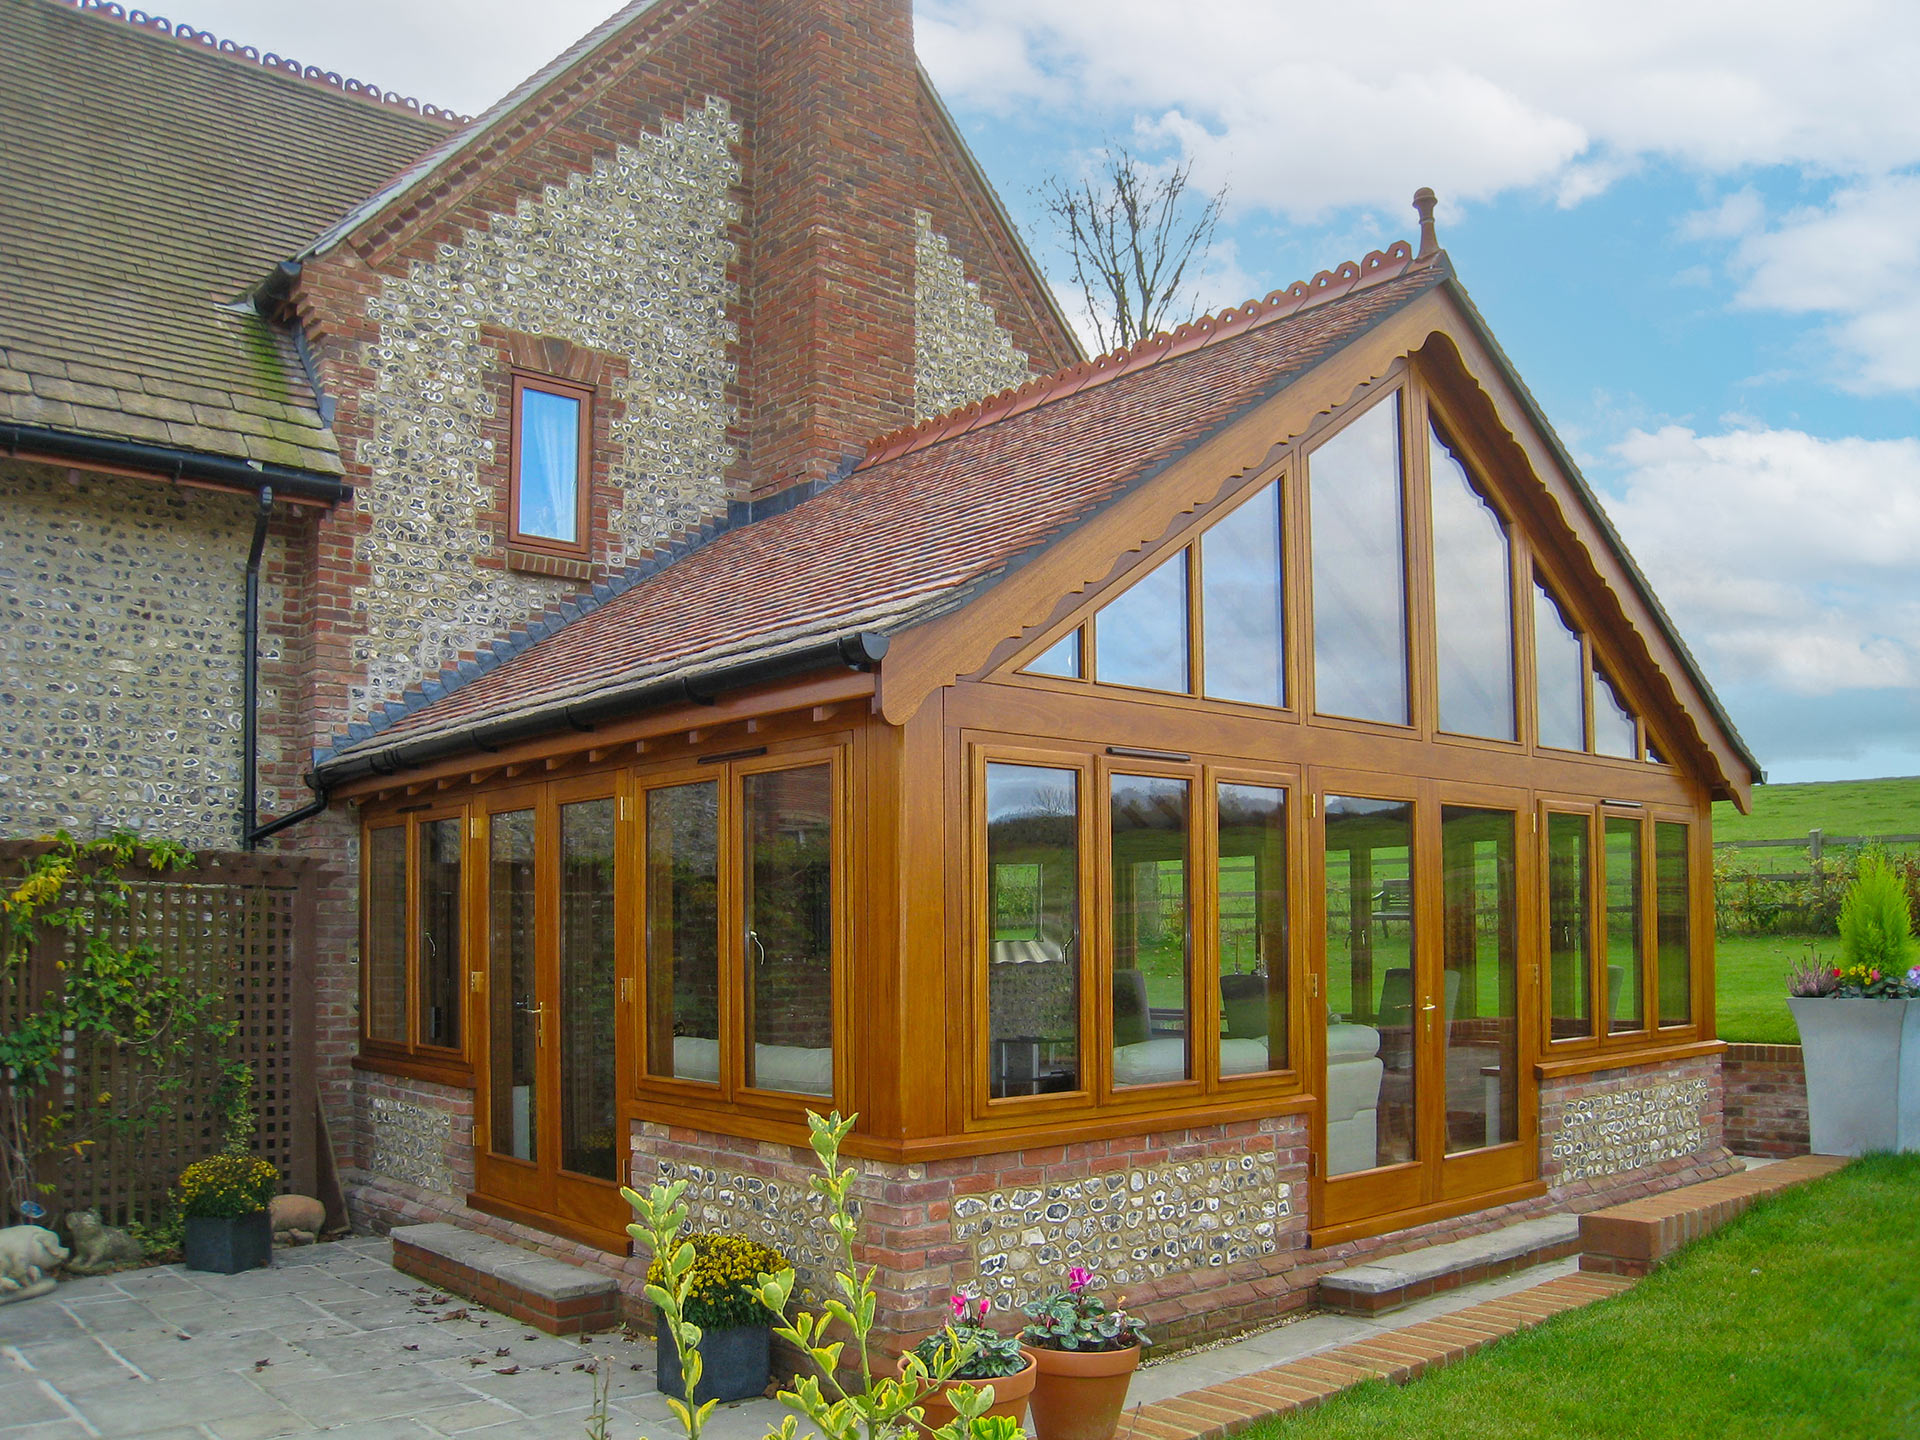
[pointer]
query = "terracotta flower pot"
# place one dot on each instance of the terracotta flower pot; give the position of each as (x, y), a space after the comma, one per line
(1010, 1394)
(1078, 1394)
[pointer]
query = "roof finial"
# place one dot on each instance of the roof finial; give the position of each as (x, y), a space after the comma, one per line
(1423, 202)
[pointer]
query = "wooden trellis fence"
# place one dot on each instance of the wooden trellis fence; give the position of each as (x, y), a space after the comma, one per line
(244, 924)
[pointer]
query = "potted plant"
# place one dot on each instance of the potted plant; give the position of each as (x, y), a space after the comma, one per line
(224, 1199)
(984, 1357)
(1085, 1354)
(1860, 1023)
(725, 1303)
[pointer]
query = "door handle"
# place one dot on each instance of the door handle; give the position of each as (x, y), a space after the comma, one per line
(539, 1014)
(1428, 1009)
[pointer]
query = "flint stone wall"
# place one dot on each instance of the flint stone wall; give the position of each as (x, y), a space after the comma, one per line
(961, 353)
(121, 653)
(631, 260)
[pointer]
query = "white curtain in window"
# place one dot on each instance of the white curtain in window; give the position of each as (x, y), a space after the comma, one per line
(549, 465)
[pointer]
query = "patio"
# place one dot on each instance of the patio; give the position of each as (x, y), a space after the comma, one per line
(333, 1339)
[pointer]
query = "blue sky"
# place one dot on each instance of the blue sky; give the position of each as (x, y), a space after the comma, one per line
(1695, 228)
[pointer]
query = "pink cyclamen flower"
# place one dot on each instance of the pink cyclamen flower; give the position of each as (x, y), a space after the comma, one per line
(958, 1304)
(985, 1306)
(1078, 1278)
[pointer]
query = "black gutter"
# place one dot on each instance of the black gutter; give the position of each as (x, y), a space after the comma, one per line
(30, 442)
(859, 650)
(250, 676)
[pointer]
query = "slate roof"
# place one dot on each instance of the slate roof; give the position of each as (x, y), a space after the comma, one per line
(149, 183)
(934, 514)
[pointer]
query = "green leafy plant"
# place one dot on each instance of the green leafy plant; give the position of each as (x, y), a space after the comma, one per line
(861, 1406)
(223, 1186)
(1077, 1319)
(1876, 927)
(724, 1293)
(988, 1355)
(109, 993)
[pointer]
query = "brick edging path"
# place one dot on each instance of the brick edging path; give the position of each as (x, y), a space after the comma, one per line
(1393, 1355)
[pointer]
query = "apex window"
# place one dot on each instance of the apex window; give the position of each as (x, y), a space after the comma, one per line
(552, 434)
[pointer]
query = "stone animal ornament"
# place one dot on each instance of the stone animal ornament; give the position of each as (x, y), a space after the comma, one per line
(297, 1219)
(98, 1248)
(29, 1254)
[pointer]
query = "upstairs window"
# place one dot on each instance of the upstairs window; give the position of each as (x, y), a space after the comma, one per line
(552, 430)
(1359, 570)
(1473, 601)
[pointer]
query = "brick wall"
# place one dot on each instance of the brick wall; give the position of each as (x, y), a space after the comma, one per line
(1766, 1100)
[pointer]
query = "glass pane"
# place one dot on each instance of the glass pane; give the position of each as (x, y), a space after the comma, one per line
(789, 911)
(1625, 1005)
(512, 999)
(1140, 636)
(1569, 933)
(1060, 658)
(549, 465)
(1560, 682)
(1671, 923)
(683, 931)
(1481, 955)
(387, 933)
(1473, 602)
(1369, 900)
(1252, 896)
(1241, 604)
(1152, 933)
(1359, 571)
(590, 1139)
(1033, 948)
(440, 933)
(1612, 721)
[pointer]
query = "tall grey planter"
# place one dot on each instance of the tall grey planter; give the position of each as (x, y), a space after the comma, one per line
(1863, 1073)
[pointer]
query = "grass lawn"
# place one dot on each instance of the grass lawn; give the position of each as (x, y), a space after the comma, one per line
(1751, 984)
(1797, 1320)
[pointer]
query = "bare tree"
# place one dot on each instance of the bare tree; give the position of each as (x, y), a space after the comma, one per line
(1133, 234)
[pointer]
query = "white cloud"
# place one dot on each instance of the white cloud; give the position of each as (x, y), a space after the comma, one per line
(1788, 560)
(1473, 97)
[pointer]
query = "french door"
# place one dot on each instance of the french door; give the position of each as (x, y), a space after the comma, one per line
(549, 1147)
(1423, 1045)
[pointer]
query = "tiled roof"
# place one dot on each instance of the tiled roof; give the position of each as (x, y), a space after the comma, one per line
(938, 511)
(150, 181)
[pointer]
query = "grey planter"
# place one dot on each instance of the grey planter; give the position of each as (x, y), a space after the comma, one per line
(1863, 1073)
(738, 1363)
(226, 1245)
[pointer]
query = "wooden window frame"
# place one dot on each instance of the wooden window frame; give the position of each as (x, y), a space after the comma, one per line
(1652, 1040)
(730, 1095)
(411, 1056)
(581, 548)
(1097, 1096)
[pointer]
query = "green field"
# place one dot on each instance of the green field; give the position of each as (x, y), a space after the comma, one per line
(1796, 1320)
(1839, 807)
(1751, 970)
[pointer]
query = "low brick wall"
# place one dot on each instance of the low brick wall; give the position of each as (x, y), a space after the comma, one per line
(1766, 1105)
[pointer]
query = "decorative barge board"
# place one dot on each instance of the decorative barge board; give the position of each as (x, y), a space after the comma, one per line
(1220, 815)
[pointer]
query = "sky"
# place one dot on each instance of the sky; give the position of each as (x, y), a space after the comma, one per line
(1694, 227)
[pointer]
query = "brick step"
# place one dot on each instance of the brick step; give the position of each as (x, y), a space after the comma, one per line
(1631, 1239)
(547, 1294)
(1383, 1285)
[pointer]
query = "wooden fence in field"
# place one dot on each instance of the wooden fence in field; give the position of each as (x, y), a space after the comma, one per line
(1816, 843)
(241, 923)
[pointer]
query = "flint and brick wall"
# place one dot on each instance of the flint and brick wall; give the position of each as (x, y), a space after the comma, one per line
(1766, 1101)
(121, 658)
(1614, 1134)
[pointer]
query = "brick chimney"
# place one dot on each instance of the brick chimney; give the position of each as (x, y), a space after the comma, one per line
(830, 353)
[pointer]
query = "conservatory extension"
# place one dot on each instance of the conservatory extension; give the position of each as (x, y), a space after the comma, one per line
(1198, 810)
